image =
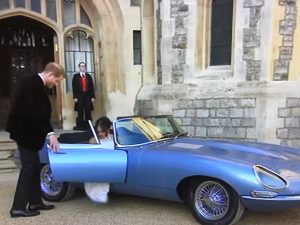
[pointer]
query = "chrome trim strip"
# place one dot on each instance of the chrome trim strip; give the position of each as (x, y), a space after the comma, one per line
(277, 198)
(135, 145)
(94, 133)
(271, 172)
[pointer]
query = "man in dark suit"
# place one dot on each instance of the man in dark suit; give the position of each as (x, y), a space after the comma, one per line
(29, 125)
(83, 95)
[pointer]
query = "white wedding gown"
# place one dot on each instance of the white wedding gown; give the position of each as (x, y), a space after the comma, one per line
(98, 192)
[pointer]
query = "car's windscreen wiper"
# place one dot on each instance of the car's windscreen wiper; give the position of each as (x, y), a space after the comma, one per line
(167, 135)
(181, 135)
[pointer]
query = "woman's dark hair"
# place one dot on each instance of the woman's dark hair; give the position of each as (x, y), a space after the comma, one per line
(104, 123)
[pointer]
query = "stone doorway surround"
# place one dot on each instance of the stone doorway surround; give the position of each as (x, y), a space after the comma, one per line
(25, 48)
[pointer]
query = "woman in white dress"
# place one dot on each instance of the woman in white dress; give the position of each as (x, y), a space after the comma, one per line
(103, 128)
(97, 192)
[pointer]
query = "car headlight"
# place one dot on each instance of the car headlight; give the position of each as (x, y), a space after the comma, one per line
(269, 178)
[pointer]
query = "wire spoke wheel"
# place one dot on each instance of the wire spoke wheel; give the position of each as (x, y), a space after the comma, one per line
(214, 202)
(211, 200)
(53, 190)
(48, 185)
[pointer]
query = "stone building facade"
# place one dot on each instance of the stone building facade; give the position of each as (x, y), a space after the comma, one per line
(238, 82)
(255, 97)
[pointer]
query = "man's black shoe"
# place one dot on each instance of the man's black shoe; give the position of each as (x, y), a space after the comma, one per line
(41, 206)
(23, 213)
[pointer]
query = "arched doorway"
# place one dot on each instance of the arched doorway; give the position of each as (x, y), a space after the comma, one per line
(26, 47)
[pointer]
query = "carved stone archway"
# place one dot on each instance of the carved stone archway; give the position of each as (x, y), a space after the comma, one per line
(26, 48)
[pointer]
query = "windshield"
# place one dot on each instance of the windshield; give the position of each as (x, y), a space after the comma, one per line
(138, 130)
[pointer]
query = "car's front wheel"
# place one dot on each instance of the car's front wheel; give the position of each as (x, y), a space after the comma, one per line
(214, 203)
(52, 190)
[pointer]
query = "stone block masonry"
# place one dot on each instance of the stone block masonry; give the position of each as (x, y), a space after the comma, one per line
(179, 11)
(252, 39)
(290, 133)
(287, 27)
(218, 118)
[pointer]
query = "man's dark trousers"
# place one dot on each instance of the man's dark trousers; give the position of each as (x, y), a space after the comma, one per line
(28, 186)
(84, 110)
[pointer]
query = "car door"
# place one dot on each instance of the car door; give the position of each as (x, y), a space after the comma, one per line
(88, 163)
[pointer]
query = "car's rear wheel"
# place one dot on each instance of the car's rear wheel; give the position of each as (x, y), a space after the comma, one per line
(214, 202)
(52, 190)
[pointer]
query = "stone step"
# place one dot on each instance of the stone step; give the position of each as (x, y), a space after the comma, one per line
(7, 149)
(4, 146)
(7, 165)
(6, 154)
(6, 171)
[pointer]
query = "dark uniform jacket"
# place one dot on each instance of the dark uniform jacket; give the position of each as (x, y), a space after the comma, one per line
(29, 118)
(77, 90)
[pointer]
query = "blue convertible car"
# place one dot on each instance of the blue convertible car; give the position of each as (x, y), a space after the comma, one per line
(154, 157)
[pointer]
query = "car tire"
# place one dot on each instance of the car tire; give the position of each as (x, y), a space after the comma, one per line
(52, 190)
(213, 202)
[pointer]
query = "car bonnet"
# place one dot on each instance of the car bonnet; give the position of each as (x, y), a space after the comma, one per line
(280, 159)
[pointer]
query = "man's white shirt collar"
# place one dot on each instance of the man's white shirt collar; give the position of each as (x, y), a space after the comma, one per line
(43, 79)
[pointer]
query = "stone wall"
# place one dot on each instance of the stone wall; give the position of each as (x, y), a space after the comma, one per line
(158, 43)
(287, 29)
(252, 40)
(253, 111)
(245, 106)
(290, 133)
(174, 21)
(179, 11)
(222, 118)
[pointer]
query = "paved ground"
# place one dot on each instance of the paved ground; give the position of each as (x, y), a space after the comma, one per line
(123, 210)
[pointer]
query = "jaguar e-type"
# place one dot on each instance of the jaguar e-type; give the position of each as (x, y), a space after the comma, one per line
(154, 157)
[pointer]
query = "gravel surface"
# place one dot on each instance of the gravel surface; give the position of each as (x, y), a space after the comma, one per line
(123, 210)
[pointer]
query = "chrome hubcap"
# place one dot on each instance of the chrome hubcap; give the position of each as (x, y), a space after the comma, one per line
(211, 200)
(48, 185)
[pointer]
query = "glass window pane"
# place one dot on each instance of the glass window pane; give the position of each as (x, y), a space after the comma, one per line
(90, 59)
(220, 55)
(79, 57)
(135, 2)
(69, 81)
(4, 4)
(70, 64)
(78, 49)
(71, 44)
(221, 35)
(51, 9)
(36, 5)
(76, 46)
(136, 39)
(86, 44)
(20, 3)
(84, 19)
(221, 32)
(68, 12)
(83, 43)
(137, 50)
(137, 57)
(90, 44)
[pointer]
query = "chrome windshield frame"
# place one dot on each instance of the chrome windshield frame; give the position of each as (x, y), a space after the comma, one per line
(140, 144)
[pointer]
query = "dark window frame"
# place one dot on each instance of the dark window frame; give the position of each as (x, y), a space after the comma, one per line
(221, 32)
(137, 47)
(135, 2)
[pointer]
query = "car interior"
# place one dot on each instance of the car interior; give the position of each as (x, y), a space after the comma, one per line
(76, 137)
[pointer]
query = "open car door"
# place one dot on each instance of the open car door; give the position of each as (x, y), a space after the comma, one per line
(88, 163)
